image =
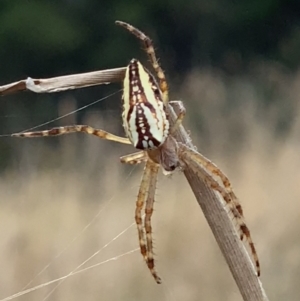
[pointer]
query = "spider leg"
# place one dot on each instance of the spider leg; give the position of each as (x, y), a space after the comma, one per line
(180, 116)
(201, 166)
(135, 158)
(73, 129)
(216, 171)
(153, 59)
(147, 222)
(143, 193)
(139, 207)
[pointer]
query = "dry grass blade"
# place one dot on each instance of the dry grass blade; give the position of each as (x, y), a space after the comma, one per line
(66, 82)
(223, 229)
(216, 215)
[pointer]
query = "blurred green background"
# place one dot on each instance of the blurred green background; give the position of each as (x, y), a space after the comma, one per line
(235, 64)
(255, 43)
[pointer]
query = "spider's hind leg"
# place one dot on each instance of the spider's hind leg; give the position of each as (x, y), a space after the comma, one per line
(153, 59)
(69, 129)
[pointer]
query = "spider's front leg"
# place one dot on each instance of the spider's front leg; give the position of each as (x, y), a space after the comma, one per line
(205, 169)
(135, 158)
(148, 214)
(146, 193)
(69, 129)
(211, 167)
(178, 104)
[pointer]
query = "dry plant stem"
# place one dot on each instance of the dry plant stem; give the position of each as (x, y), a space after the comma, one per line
(214, 211)
(66, 82)
(222, 227)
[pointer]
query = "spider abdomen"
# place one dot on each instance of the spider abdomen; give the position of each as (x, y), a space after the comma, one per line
(144, 117)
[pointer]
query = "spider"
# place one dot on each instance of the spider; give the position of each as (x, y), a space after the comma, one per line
(148, 128)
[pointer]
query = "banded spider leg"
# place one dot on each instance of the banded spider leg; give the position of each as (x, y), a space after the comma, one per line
(205, 169)
(146, 191)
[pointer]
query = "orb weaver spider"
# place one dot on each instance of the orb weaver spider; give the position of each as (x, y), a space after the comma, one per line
(147, 126)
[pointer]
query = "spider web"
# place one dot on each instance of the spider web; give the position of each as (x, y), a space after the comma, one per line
(81, 267)
(113, 221)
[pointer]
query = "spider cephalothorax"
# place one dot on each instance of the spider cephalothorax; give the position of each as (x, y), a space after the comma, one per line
(149, 129)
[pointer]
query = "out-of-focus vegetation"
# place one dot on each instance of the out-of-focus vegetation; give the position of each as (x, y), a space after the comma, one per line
(61, 205)
(236, 66)
(42, 37)
(253, 42)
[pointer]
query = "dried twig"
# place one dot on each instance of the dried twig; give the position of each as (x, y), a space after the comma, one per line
(214, 211)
